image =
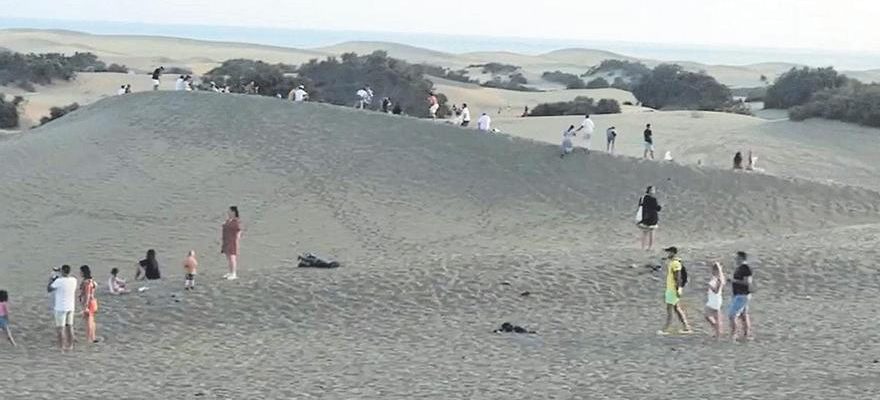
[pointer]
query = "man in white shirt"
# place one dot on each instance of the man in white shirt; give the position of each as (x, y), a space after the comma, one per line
(588, 127)
(298, 95)
(465, 116)
(365, 97)
(484, 124)
(64, 289)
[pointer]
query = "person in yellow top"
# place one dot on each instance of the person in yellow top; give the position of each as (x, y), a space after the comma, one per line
(673, 292)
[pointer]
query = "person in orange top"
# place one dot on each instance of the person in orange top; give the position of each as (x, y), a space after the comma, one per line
(89, 302)
(189, 266)
(231, 238)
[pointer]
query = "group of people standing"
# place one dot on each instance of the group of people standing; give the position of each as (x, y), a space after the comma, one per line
(67, 291)
(586, 130)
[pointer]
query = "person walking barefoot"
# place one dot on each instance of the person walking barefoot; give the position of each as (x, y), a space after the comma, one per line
(231, 238)
(650, 217)
(63, 288)
(742, 296)
(189, 266)
(714, 300)
(88, 302)
(674, 287)
(4, 316)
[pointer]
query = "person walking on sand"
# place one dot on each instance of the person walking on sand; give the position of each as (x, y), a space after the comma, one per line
(484, 123)
(88, 302)
(649, 142)
(157, 76)
(610, 139)
(649, 213)
(567, 138)
(742, 296)
(4, 316)
(231, 238)
(433, 105)
(465, 115)
(714, 296)
(115, 284)
(148, 268)
(63, 287)
(674, 288)
(588, 127)
(190, 264)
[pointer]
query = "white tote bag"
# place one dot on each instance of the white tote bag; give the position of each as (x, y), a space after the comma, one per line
(639, 211)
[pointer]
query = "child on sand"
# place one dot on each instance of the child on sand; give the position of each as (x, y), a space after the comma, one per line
(189, 267)
(4, 315)
(115, 283)
(714, 300)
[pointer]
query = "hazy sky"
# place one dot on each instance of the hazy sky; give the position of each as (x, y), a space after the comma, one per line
(811, 24)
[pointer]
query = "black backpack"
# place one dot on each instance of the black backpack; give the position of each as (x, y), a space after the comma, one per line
(684, 275)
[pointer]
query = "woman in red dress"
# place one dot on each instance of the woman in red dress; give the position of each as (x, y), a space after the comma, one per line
(231, 238)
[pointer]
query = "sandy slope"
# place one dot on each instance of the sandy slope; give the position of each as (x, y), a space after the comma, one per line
(440, 230)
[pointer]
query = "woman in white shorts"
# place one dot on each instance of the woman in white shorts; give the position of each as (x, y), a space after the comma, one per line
(714, 299)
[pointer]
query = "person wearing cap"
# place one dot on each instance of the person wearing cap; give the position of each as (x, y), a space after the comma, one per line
(298, 95)
(742, 296)
(673, 292)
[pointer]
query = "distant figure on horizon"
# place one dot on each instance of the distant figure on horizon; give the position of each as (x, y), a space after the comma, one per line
(250, 88)
(386, 105)
(588, 127)
(525, 112)
(231, 236)
(610, 139)
(190, 264)
(365, 97)
(89, 303)
(433, 105)
(465, 115)
(567, 144)
(157, 76)
(121, 90)
(649, 142)
(649, 209)
(115, 284)
(127, 88)
(188, 83)
(180, 84)
(738, 160)
(148, 268)
(4, 316)
(484, 124)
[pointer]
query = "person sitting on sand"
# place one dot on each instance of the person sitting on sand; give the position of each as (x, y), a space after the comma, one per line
(433, 105)
(567, 144)
(650, 218)
(148, 268)
(484, 124)
(180, 83)
(121, 90)
(674, 288)
(738, 160)
(189, 268)
(127, 88)
(507, 327)
(714, 299)
(115, 284)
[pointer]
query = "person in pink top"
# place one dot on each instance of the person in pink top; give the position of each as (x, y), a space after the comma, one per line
(231, 238)
(4, 315)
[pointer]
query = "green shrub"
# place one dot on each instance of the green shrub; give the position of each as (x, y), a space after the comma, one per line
(620, 83)
(855, 102)
(9, 112)
(630, 69)
(58, 112)
(496, 68)
(581, 105)
(117, 68)
(571, 81)
(178, 71)
(238, 73)
(797, 86)
(446, 73)
(598, 83)
(669, 86)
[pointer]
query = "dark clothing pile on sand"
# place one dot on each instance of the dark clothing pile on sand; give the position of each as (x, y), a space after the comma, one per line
(309, 260)
(507, 327)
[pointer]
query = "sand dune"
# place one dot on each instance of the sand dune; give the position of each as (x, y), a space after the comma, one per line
(440, 230)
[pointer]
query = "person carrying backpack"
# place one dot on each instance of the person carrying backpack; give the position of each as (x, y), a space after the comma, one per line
(676, 279)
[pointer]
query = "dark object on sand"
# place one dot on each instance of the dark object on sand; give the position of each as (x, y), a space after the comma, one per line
(507, 327)
(525, 294)
(309, 260)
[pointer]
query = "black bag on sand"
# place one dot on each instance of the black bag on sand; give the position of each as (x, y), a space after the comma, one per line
(309, 260)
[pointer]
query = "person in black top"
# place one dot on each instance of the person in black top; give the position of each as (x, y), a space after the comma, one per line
(742, 295)
(650, 217)
(157, 74)
(649, 142)
(738, 160)
(148, 268)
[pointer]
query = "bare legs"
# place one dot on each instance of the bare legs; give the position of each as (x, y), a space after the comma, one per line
(233, 266)
(91, 327)
(647, 239)
(9, 335)
(65, 337)
(746, 324)
(679, 312)
(715, 321)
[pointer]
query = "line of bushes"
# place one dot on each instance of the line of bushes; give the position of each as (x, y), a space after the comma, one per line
(581, 105)
(571, 81)
(27, 70)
